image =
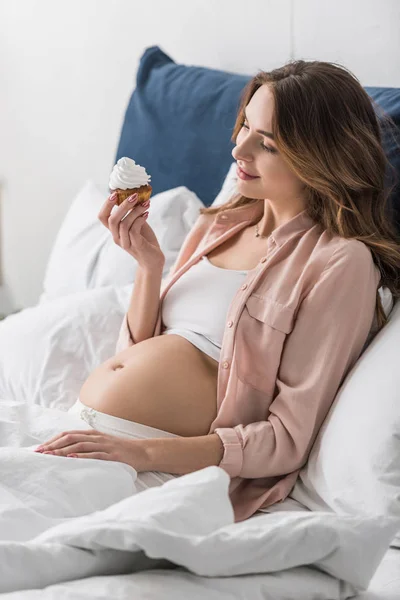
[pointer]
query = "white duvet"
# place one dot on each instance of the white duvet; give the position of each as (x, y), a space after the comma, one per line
(74, 528)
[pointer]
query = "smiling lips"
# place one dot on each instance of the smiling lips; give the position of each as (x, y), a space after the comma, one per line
(245, 176)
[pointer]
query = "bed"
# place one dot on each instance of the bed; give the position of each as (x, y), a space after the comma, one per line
(88, 536)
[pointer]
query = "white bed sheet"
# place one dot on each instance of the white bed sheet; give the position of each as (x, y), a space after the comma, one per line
(179, 584)
(296, 584)
(45, 552)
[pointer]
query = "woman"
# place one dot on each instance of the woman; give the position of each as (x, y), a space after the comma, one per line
(270, 303)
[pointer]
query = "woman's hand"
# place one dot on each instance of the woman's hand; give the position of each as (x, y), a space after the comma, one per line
(93, 444)
(131, 232)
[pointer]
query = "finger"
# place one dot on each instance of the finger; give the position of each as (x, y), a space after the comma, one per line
(120, 214)
(60, 439)
(130, 227)
(59, 435)
(68, 441)
(80, 446)
(106, 209)
(96, 455)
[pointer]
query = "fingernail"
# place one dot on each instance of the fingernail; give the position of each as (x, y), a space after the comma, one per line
(132, 198)
(146, 215)
(146, 204)
(112, 198)
(72, 456)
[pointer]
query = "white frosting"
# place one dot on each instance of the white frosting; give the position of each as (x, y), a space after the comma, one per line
(126, 174)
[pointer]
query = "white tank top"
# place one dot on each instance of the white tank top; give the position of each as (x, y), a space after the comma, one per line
(195, 307)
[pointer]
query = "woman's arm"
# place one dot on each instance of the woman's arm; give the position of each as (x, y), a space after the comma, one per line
(330, 330)
(180, 455)
(144, 305)
(140, 321)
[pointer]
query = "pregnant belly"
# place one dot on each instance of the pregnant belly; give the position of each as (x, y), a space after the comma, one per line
(164, 382)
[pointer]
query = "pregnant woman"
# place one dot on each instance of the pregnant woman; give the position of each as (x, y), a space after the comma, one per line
(236, 358)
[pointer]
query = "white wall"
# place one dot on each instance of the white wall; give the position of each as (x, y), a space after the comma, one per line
(67, 70)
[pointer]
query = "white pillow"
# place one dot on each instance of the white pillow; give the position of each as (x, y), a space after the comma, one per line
(84, 255)
(354, 465)
(48, 351)
(228, 187)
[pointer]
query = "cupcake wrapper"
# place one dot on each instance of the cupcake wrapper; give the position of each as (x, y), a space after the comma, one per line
(144, 193)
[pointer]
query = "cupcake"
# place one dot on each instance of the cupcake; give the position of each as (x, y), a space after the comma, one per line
(128, 178)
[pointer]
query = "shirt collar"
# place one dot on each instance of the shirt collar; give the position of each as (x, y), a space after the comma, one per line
(296, 225)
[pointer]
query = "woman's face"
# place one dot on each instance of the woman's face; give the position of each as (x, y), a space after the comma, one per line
(256, 154)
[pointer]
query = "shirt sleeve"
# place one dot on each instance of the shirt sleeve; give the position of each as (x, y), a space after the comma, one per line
(124, 337)
(329, 333)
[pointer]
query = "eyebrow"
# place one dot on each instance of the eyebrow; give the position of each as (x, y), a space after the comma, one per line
(266, 133)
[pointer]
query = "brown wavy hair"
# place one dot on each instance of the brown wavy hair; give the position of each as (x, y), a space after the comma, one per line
(330, 133)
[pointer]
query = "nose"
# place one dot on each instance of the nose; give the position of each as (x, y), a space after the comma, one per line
(242, 152)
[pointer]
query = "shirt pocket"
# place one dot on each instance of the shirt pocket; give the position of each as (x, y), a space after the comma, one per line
(261, 332)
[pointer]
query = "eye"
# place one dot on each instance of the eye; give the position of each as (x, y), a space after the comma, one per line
(268, 148)
(263, 146)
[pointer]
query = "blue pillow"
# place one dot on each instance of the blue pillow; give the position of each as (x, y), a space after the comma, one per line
(388, 101)
(180, 119)
(179, 122)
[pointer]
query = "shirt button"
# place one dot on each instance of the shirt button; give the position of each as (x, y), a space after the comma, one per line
(229, 323)
(263, 260)
(244, 286)
(225, 364)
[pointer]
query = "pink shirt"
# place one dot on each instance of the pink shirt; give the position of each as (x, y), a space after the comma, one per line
(294, 329)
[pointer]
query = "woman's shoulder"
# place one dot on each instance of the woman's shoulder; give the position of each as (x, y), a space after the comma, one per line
(336, 258)
(338, 249)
